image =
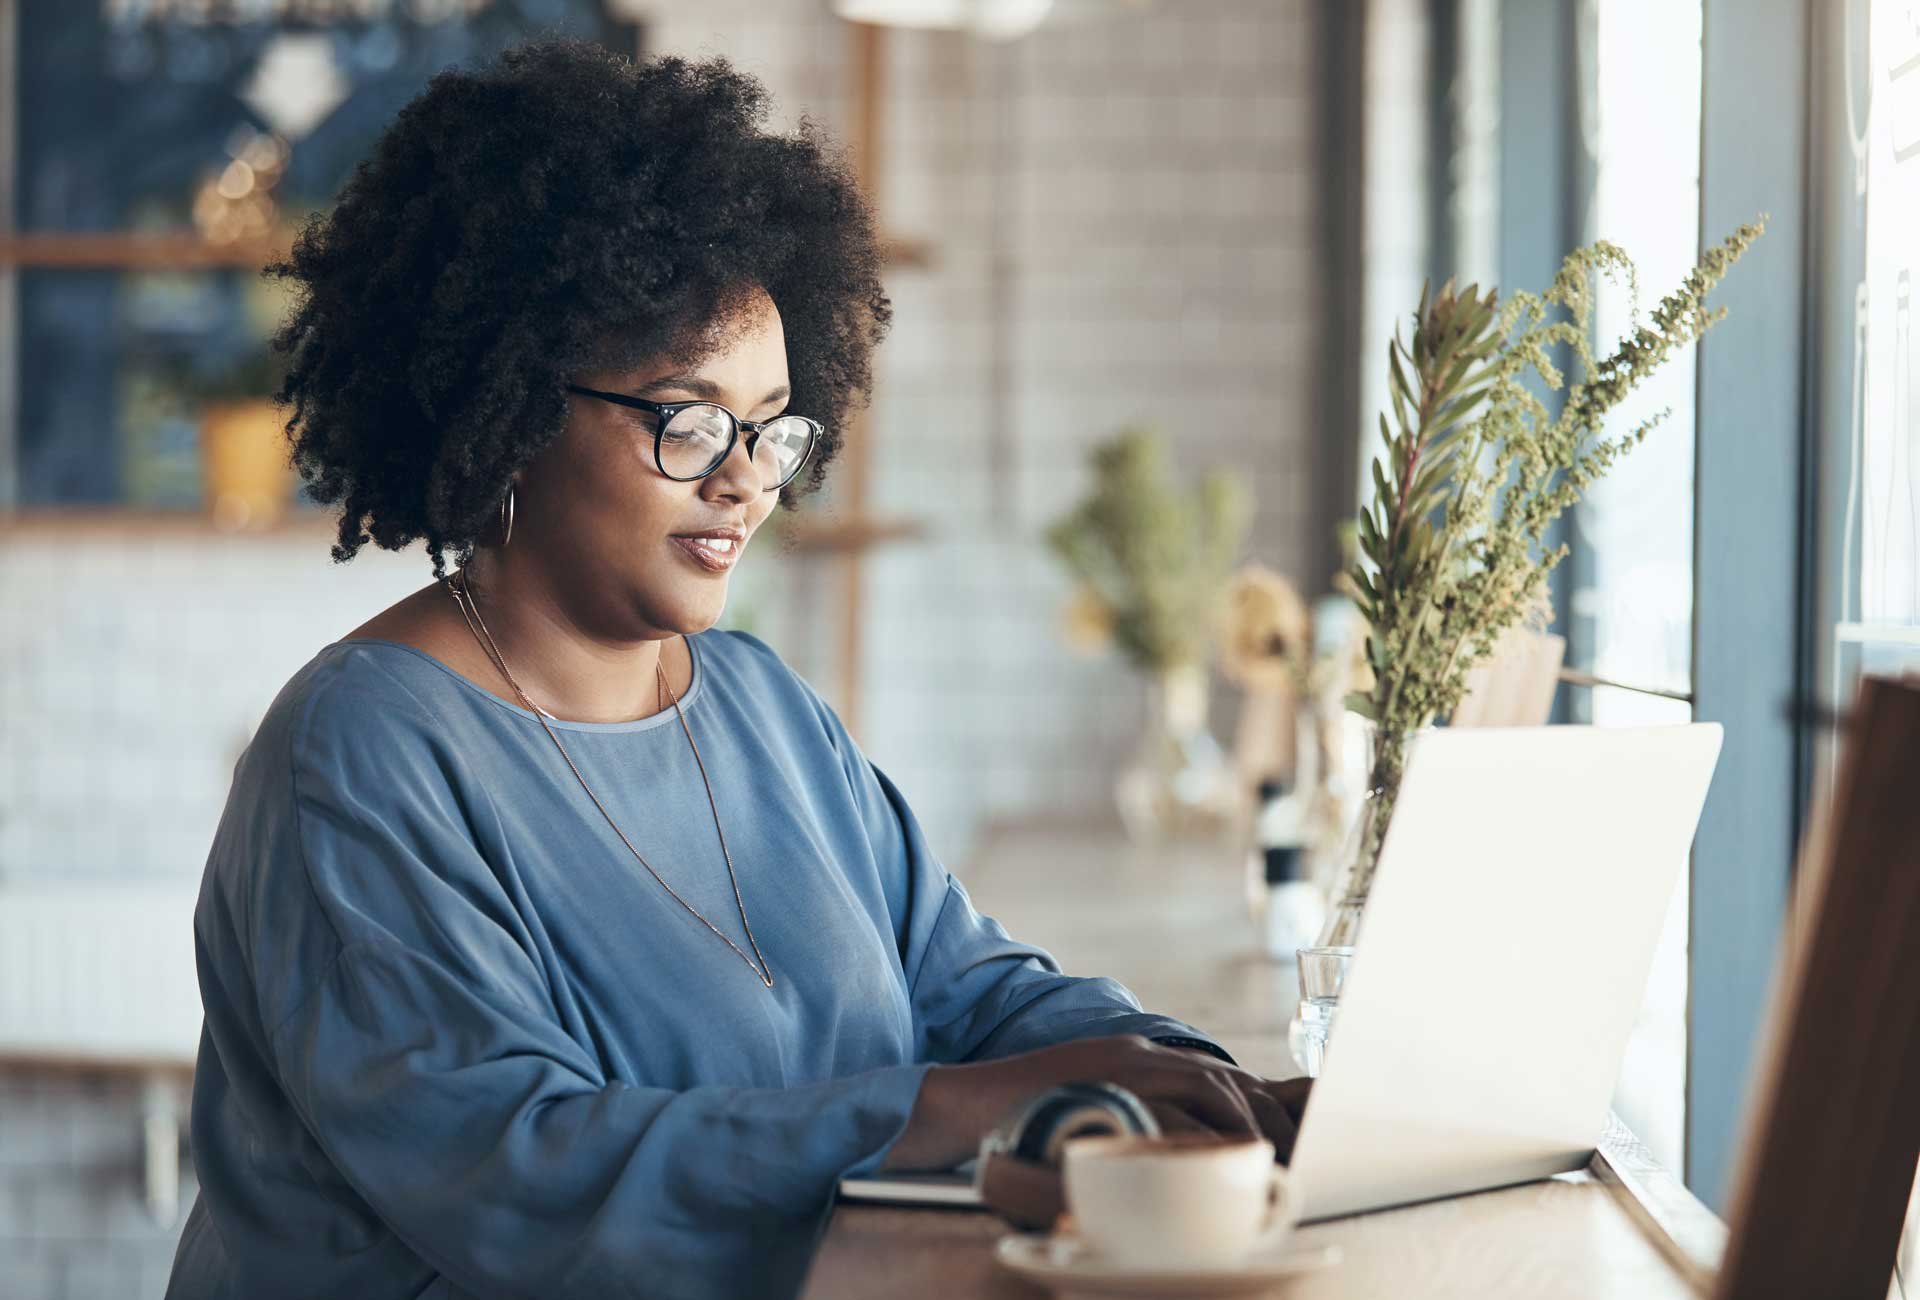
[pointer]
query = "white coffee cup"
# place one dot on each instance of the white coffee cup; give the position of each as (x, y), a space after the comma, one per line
(1187, 1200)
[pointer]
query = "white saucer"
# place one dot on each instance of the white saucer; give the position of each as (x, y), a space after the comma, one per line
(1062, 1264)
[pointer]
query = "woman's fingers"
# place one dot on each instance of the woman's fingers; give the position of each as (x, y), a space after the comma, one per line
(1174, 1120)
(1214, 1098)
(1196, 1091)
(1290, 1093)
(1276, 1124)
(1263, 1117)
(1269, 1107)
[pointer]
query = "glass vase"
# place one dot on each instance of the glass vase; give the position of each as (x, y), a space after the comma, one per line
(1323, 972)
(1176, 782)
(1386, 763)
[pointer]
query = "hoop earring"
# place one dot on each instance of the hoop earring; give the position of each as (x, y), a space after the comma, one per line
(506, 516)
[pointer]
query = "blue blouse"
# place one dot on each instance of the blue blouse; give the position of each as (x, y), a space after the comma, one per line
(459, 1043)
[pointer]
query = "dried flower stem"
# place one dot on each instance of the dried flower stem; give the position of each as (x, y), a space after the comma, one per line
(1452, 543)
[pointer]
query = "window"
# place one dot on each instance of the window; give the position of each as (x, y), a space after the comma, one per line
(1631, 581)
(1877, 578)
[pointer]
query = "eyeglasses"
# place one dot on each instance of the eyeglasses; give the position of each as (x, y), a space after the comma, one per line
(693, 439)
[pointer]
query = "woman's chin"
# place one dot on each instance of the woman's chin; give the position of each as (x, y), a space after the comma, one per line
(688, 612)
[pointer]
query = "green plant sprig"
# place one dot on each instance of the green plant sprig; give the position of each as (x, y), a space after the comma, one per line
(1477, 468)
(1453, 541)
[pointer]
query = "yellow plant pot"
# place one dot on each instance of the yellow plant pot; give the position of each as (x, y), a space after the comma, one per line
(246, 474)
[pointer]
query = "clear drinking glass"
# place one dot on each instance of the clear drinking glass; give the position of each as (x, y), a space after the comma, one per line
(1323, 971)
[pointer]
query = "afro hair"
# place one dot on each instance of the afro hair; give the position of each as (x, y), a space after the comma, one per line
(558, 210)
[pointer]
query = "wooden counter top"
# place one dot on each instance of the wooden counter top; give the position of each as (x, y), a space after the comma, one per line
(1172, 927)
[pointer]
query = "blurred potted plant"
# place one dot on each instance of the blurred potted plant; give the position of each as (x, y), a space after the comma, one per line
(246, 470)
(1152, 562)
(1476, 469)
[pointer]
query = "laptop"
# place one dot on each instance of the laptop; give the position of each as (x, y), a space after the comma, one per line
(1506, 948)
(1503, 958)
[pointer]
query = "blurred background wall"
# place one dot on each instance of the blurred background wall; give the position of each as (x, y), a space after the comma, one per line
(1201, 216)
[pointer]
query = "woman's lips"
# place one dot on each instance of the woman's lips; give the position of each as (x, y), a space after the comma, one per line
(705, 553)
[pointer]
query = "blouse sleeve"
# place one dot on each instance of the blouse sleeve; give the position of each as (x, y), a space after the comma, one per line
(977, 992)
(426, 1058)
(489, 1143)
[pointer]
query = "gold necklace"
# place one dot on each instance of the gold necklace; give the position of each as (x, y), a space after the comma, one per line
(470, 611)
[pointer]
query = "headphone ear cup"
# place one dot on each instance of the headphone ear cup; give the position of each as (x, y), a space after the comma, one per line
(1073, 1110)
(1019, 1170)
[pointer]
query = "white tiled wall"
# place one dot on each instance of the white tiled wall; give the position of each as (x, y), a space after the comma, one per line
(74, 1224)
(1144, 186)
(132, 673)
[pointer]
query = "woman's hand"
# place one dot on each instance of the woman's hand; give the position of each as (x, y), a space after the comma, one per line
(1277, 1105)
(1187, 1091)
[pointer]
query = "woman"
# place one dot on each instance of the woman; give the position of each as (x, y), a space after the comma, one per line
(553, 943)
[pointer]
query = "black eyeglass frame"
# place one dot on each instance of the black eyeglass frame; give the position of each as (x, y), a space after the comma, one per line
(665, 411)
